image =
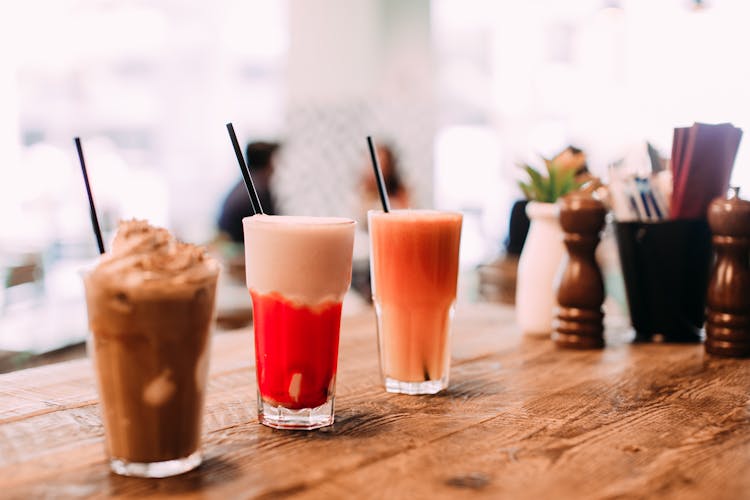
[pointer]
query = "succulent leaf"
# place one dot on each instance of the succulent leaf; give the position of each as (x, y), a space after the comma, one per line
(556, 184)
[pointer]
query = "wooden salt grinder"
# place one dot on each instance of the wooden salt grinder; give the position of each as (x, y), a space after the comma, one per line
(728, 298)
(579, 322)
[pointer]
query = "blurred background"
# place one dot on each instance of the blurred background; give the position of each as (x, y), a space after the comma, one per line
(461, 91)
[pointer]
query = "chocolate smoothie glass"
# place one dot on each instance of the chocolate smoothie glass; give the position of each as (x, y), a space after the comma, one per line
(414, 269)
(150, 307)
(298, 270)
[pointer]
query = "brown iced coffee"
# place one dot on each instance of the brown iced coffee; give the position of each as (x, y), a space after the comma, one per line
(151, 306)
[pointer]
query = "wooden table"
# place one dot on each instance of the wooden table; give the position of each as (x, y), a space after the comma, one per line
(521, 419)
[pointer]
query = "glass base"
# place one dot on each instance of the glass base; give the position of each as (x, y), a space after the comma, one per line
(414, 388)
(156, 469)
(305, 419)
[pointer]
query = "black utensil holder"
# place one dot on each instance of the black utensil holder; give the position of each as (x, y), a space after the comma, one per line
(666, 268)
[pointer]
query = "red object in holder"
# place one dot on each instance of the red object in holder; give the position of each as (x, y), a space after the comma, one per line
(702, 160)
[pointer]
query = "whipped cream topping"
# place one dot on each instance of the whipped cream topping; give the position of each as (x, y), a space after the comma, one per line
(145, 256)
(307, 260)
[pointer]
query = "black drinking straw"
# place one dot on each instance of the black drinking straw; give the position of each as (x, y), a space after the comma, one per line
(254, 201)
(379, 176)
(92, 208)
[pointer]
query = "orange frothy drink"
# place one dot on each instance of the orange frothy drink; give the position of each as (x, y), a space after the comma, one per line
(414, 266)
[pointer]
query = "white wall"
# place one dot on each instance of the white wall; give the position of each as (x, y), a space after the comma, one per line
(356, 67)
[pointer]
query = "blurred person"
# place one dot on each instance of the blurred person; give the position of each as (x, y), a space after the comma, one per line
(261, 163)
(398, 194)
(369, 199)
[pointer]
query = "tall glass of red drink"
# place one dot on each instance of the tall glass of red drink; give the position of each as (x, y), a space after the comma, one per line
(414, 268)
(298, 270)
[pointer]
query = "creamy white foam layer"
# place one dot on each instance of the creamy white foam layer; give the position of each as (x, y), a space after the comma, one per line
(423, 215)
(308, 260)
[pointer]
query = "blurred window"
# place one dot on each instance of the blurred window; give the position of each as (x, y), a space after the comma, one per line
(148, 85)
(532, 77)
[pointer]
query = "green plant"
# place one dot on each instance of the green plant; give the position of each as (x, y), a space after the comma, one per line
(556, 184)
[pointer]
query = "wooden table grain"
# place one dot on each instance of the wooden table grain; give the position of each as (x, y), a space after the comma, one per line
(521, 419)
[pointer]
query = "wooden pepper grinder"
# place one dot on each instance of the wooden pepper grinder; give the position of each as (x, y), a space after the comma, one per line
(579, 322)
(728, 298)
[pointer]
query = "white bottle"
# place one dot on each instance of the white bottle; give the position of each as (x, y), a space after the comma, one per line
(538, 267)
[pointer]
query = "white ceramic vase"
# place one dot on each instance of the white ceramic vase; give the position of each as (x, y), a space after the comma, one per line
(538, 267)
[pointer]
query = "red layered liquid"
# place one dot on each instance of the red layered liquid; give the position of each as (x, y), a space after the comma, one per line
(296, 350)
